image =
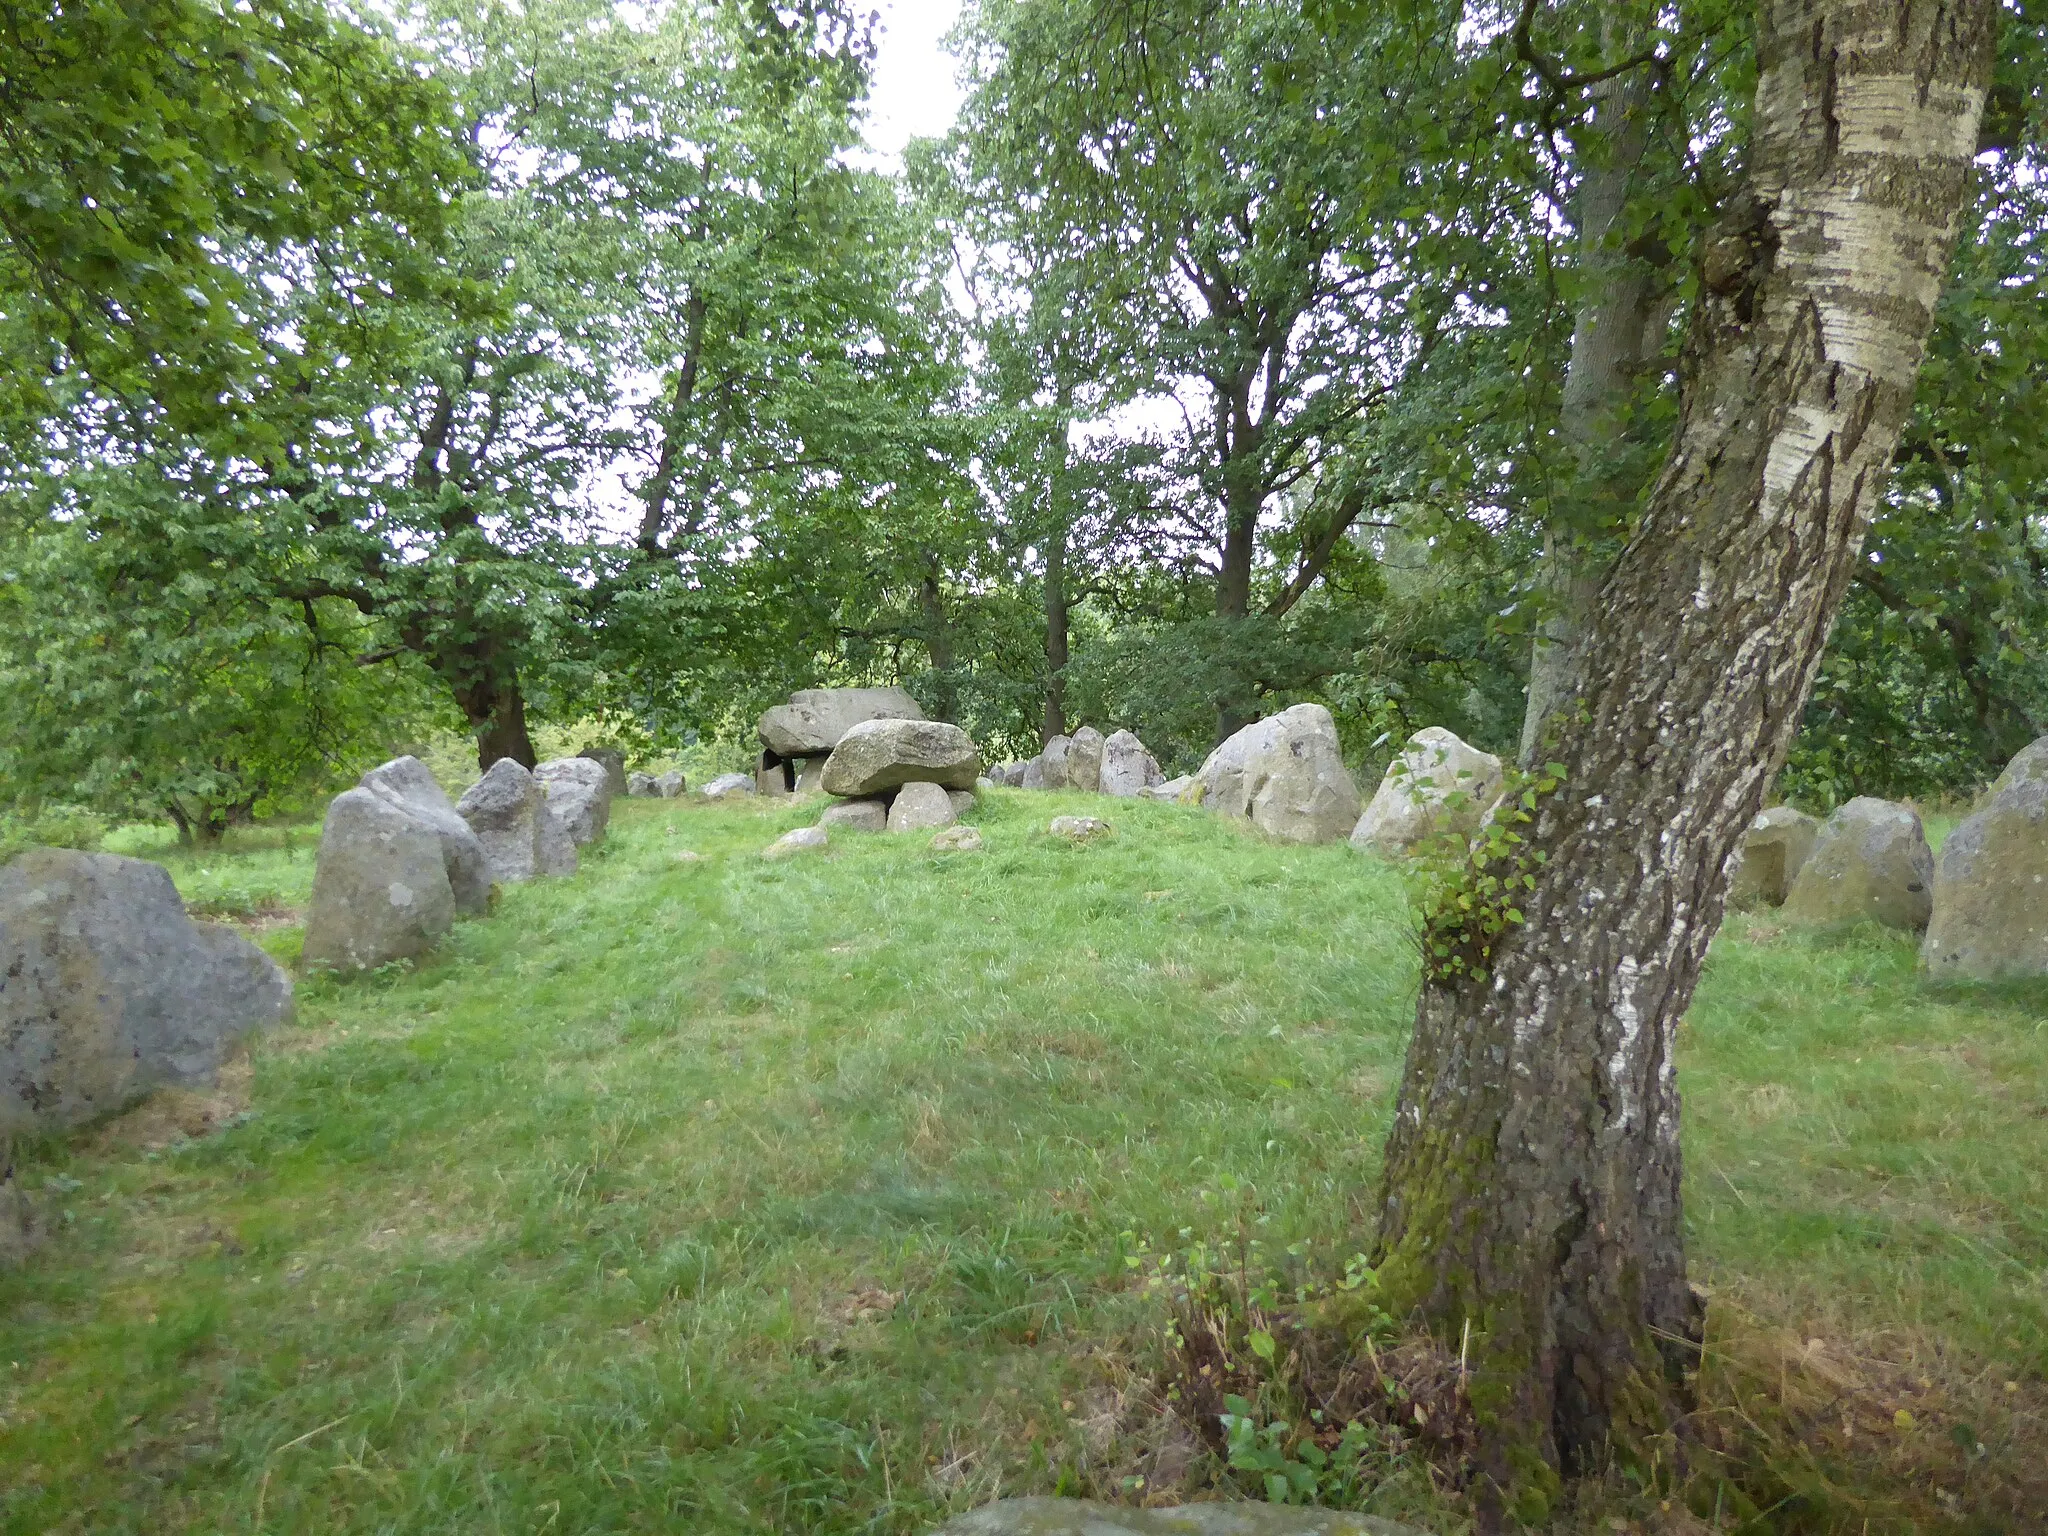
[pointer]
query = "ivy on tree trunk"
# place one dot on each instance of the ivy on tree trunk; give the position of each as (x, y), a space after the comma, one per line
(1532, 1183)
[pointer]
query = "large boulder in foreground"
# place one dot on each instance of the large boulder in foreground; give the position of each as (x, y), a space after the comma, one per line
(1127, 770)
(814, 719)
(410, 785)
(1991, 882)
(1774, 849)
(521, 836)
(380, 886)
(1286, 775)
(579, 791)
(1436, 786)
(108, 989)
(1043, 1516)
(1870, 862)
(876, 755)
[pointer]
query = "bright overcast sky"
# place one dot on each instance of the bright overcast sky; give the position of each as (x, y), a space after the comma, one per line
(914, 93)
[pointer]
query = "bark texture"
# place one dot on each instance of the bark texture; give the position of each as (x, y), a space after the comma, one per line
(1532, 1175)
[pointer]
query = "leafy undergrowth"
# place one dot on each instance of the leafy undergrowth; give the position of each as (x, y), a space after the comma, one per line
(716, 1195)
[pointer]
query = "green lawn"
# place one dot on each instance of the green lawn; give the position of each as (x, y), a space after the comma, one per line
(719, 1195)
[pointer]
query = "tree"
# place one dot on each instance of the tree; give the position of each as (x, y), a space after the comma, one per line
(1531, 1189)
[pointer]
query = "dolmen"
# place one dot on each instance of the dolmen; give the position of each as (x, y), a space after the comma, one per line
(1117, 765)
(108, 989)
(899, 775)
(798, 738)
(1990, 917)
(1436, 786)
(1285, 775)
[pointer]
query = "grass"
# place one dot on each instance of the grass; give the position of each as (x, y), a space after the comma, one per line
(725, 1196)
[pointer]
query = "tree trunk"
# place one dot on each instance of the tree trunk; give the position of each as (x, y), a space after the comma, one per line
(1055, 637)
(1618, 332)
(496, 709)
(1531, 1190)
(1241, 503)
(938, 644)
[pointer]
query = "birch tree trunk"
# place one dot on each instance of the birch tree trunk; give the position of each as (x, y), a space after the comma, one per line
(1532, 1176)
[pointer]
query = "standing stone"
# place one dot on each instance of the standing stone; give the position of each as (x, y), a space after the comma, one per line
(579, 791)
(1870, 860)
(1128, 770)
(1286, 775)
(521, 837)
(1991, 883)
(108, 989)
(1033, 776)
(814, 719)
(614, 763)
(881, 754)
(380, 886)
(729, 784)
(856, 815)
(670, 784)
(409, 784)
(1010, 775)
(1084, 760)
(918, 807)
(642, 786)
(1437, 785)
(1052, 764)
(811, 780)
(1777, 843)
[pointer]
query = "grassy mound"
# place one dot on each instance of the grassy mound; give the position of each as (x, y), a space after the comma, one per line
(719, 1195)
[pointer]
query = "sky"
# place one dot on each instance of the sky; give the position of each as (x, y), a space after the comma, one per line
(914, 93)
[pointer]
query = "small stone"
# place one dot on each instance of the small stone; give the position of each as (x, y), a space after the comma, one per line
(671, 784)
(920, 806)
(857, 815)
(963, 801)
(642, 786)
(1042, 1516)
(1079, 829)
(957, 839)
(1777, 843)
(727, 785)
(802, 840)
(688, 856)
(1172, 789)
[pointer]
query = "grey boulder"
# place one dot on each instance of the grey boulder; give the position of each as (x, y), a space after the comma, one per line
(1086, 1517)
(1286, 775)
(380, 886)
(810, 779)
(1052, 764)
(579, 792)
(1870, 861)
(1991, 884)
(1778, 842)
(1436, 785)
(108, 989)
(521, 836)
(671, 784)
(1172, 789)
(1084, 760)
(802, 840)
(856, 815)
(642, 786)
(878, 755)
(919, 807)
(1033, 776)
(613, 761)
(410, 785)
(814, 719)
(729, 784)
(1127, 769)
